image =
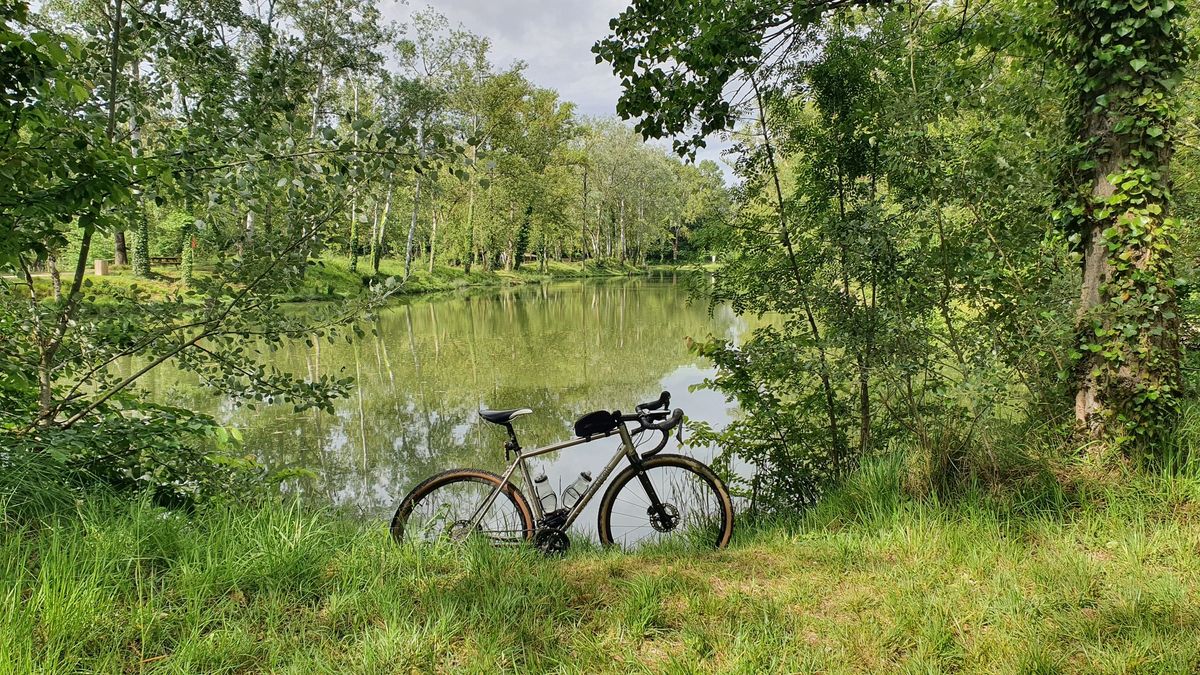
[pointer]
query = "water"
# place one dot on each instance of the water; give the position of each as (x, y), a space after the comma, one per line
(562, 349)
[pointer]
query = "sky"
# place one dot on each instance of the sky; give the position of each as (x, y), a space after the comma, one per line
(554, 38)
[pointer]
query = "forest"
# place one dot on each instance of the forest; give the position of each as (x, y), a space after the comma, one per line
(262, 263)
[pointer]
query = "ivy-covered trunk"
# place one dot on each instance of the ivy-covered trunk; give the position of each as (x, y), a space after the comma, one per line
(1128, 57)
(521, 246)
(187, 255)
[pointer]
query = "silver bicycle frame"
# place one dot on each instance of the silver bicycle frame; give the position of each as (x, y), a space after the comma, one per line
(626, 450)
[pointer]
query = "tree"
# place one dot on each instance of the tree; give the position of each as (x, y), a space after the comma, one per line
(688, 71)
(74, 176)
(1129, 60)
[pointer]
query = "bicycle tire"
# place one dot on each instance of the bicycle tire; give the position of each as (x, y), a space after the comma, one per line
(722, 503)
(448, 478)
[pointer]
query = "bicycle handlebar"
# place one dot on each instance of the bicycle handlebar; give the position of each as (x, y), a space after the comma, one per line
(662, 403)
(667, 424)
(653, 416)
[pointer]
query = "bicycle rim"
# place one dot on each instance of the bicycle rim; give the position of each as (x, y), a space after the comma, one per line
(693, 509)
(442, 510)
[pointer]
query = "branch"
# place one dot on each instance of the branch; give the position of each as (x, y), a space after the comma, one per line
(215, 321)
(130, 380)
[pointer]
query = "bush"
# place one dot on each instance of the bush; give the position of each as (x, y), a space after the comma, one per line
(173, 456)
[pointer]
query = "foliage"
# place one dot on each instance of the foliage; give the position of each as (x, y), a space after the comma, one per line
(901, 221)
(65, 395)
(251, 142)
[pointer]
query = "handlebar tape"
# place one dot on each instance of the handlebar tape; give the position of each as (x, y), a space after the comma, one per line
(669, 423)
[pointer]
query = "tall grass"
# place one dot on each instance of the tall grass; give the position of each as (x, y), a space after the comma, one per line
(1103, 579)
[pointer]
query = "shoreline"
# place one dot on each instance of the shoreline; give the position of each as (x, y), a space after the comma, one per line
(331, 279)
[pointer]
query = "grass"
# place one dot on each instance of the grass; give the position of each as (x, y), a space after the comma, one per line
(1104, 579)
(332, 279)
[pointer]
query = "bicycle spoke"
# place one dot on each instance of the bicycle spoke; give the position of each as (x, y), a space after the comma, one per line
(686, 508)
(450, 512)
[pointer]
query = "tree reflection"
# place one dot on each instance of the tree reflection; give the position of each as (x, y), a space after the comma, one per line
(562, 349)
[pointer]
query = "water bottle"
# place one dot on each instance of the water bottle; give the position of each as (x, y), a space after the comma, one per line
(575, 490)
(545, 494)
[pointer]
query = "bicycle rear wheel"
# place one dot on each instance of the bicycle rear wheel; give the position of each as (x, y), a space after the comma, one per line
(690, 505)
(440, 509)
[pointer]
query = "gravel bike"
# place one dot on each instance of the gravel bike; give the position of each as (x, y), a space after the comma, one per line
(656, 498)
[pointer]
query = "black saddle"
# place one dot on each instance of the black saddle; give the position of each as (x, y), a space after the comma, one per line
(503, 416)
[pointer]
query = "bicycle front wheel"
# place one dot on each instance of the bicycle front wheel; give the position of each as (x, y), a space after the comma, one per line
(442, 508)
(669, 498)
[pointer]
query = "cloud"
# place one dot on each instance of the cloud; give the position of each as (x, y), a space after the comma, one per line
(553, 37)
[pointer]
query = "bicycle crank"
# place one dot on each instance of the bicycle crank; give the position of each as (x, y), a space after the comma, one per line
(551, 541)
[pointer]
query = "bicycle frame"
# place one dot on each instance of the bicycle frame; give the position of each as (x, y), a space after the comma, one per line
(626, 450)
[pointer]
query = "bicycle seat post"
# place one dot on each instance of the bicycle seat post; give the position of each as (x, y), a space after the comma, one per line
(512, 445)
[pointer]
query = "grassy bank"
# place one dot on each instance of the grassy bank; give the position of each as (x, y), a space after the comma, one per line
(1105, 581)
(332, 279)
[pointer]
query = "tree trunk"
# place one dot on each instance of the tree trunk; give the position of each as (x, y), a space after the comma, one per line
(621, 249)
(116, 14)
(583, 229)
(1128, 379)
(433, 227)
(373, 250)
(489, 262)
(354, 235)
(55, 277)
(469, 251)
(316, 111)
(836, 439)
(141, 239)
(1105, 393)
(412, 229)
(522, 243)
(354, 204)
(120, 250)
(187, 256)
(379, 234)
(412, 225)
(248, 232)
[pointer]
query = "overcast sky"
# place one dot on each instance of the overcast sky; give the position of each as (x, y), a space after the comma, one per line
(554, 37)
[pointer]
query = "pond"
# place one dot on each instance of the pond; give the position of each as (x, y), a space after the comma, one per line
(562, 349)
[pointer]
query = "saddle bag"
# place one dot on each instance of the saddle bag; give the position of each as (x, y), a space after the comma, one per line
(599, 422)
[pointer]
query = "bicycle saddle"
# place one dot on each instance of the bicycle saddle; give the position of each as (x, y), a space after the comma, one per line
(503, 416)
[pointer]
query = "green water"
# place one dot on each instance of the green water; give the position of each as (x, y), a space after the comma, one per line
(561, 349)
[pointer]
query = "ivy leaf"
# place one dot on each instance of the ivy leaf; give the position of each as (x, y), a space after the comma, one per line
(1138, 64)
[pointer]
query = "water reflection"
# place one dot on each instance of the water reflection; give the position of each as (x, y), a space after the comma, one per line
(562, 349)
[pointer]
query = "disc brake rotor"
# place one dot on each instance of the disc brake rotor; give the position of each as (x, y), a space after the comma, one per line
(664, 517)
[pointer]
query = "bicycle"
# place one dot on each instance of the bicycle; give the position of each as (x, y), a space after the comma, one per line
(659, 497)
